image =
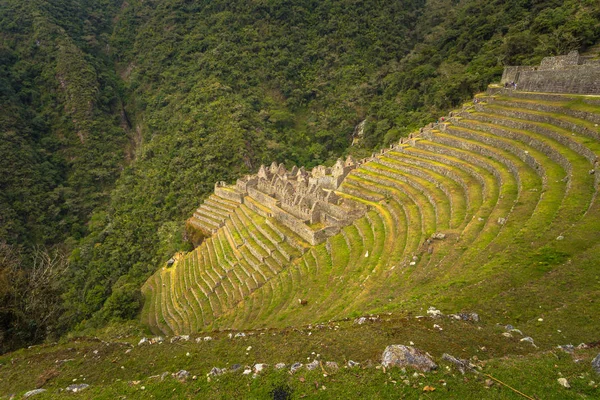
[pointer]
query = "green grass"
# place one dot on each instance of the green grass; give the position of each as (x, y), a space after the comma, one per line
(121, 368)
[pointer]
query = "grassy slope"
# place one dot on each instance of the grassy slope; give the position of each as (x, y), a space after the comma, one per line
(121, 368)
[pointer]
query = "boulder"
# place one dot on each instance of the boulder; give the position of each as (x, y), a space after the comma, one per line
(398, 355)
(596, 364)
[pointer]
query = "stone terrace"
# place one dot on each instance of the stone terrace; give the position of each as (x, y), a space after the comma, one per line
(486, 187)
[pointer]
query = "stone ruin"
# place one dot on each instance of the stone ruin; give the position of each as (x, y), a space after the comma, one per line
(571, 73)
(305, 202)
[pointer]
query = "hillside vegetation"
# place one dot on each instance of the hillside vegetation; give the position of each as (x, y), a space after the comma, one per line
(122, 115)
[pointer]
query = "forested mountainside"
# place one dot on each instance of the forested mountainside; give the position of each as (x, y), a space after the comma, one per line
(118, 117)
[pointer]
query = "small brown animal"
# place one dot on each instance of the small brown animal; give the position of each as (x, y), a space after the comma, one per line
(302, 302)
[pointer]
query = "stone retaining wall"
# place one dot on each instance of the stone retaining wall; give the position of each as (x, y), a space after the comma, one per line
(501, 144)
(550, 109)
(563, 74)
(398, 177)
(542, 147)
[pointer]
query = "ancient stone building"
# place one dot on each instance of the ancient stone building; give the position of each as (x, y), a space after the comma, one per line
(305, 202)
(570, 73)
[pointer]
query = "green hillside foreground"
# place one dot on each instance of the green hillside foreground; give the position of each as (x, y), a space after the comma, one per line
(124, 369)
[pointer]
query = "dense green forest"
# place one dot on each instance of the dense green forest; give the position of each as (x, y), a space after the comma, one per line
(118, 118)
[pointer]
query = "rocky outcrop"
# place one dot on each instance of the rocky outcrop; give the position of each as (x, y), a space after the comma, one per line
(398, 355)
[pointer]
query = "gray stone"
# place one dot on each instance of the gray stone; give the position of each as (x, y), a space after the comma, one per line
(180, 338)
(240, 334)
(331, 366)
(360, 320)
(181, 375)
(33, 393)
(312, 365)
(509, 327)
(472, 317)
(501, 221)
(596, 364)
(438, 236)
(398, 355)
(144, 341)
(75, 388)
(216, 371)
(295, 367)
(567, 348)
(462, 365)
(279, 366)
(235, 367)
(353, 364)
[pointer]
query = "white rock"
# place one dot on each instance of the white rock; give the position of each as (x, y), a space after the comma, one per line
(259, 368)
(563, 382)
(434, 312)
(33, 393)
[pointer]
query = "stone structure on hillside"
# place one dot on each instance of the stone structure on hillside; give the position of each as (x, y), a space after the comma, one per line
(305, 202)
(571, 73)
